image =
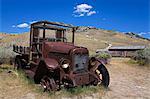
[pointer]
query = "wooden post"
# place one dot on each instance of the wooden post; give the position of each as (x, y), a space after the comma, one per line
(44, 32)
(73, 30)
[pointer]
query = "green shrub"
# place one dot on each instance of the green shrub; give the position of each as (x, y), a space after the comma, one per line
(6, 55)
(142, 56)
(103, 55)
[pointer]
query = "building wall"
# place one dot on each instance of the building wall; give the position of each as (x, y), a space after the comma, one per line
(122, 53)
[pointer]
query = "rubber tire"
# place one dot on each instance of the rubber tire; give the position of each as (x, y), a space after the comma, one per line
(105, 75)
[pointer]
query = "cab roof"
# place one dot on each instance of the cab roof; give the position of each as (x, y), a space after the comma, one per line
(56, 24)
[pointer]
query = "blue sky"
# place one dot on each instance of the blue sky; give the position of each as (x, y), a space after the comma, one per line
(119, 15)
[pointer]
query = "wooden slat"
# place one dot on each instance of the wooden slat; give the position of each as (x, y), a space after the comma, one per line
(48, 27)
(21, 49)
(53, 23)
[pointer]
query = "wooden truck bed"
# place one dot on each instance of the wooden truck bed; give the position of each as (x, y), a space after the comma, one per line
(21, 49)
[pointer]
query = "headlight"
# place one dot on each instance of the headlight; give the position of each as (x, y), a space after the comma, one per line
(93, 61)
(65, 65)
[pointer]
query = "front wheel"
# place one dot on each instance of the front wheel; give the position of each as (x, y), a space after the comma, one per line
(48, 84)
(103, 74)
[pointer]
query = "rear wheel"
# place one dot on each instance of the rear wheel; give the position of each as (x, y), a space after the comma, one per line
(17, 64)
(103, 74)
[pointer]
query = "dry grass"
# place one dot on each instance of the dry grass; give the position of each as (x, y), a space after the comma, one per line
(14, 84)
(126, 81)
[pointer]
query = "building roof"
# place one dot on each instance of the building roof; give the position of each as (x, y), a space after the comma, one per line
(127, 47)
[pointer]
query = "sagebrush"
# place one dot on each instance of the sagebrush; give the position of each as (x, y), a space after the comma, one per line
(142, 56)
(104, 56)
(6, 55)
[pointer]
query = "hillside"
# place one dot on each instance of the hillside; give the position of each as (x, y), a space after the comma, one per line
(91, 38)
(97, 38)
(133, 35)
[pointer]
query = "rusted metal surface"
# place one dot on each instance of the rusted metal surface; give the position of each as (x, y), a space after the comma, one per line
(54, 62)
(51, 63)
(60, 47)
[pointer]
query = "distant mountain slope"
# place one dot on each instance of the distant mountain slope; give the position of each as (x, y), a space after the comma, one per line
(133, 35)
(98, 38)
(89, 37)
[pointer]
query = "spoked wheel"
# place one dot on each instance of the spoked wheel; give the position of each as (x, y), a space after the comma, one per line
(103, 75)
(67, 83)
(48, 84)
(17, 64)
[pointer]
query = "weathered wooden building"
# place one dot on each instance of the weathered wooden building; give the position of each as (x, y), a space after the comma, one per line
(124, 51)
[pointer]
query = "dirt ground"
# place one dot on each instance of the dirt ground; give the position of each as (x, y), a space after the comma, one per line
(127, 81)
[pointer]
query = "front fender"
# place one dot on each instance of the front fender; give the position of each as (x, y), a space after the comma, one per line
(94, 63)
(43, 67)
(51, 63)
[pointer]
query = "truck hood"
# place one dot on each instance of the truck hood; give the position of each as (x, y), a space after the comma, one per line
(61, 47)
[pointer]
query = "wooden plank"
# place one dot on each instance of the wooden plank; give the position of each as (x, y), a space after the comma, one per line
(48, 27)
(53, 23)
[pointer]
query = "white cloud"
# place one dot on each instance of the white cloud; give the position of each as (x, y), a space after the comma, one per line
(81, 15)
(32, 22)
(22, 25)
(91, 13)
(83, 9)
(142, 33)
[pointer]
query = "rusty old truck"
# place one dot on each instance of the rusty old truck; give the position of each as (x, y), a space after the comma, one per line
(53, 60)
